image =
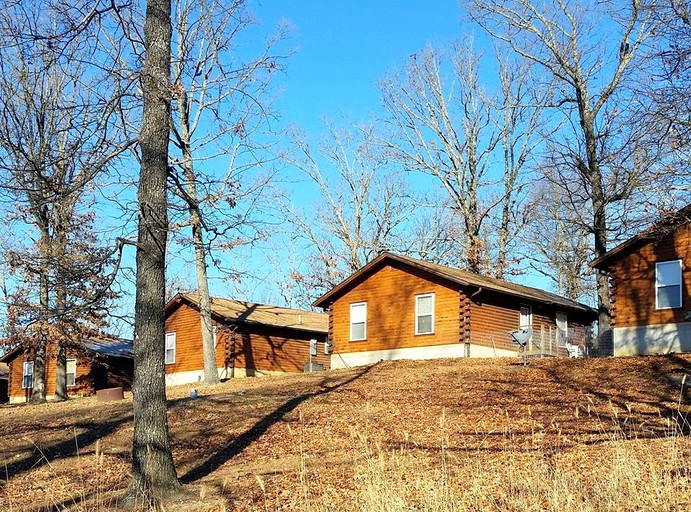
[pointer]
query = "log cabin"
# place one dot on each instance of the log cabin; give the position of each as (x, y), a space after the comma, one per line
(397, 307)
(98, 363)
(251, 339)
(650, 281)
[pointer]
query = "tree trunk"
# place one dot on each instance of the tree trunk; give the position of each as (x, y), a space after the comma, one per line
(61, 372)
(38, 391)
(500, 267)
(60, 244)
(153, 470)
(605, 338)
(592, 175)
(208, 346)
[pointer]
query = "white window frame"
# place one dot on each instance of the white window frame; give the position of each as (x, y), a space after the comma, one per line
(529, 308)
(565, 319)
(356, 305)
(67, 372)
(170, 346)
(27, 364)
(680, 283)
(418, 315)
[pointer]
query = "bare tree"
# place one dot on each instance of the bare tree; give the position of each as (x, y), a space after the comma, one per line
(519, 111)
(220, 106)
(447, 133)
(665, 85)
(361, 208)
(600, 162)
(153, 469)
(556, 244)
(57, 137)
(477, 142)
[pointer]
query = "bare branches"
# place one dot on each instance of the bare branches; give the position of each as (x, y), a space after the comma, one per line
(448, 125)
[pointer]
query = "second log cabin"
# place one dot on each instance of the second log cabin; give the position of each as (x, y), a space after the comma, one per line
(397, 307)
(251, 339)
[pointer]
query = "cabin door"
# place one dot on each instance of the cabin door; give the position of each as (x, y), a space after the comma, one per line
(526, 319)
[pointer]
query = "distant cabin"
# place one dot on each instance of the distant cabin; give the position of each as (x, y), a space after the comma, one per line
(397, 307)
(251, 339)
(98, 363)
(650, 281)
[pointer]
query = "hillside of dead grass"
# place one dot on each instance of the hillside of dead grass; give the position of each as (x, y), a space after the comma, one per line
(463, 434)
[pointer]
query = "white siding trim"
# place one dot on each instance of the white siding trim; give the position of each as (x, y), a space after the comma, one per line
(652, 339)
(196, 376)
(347, 360)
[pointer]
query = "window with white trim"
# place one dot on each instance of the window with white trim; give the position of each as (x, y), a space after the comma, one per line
(71, 372)
(170, 348)
(562, 326)
(28, 375)
(526, 317)
(424, 314)
(358, 321)
(668, 285)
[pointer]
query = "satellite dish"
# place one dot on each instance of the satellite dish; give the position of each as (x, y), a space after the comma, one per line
(521, 336)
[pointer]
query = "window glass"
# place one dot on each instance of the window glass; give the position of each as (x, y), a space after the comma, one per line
(668, 284)
(71, 374)
(170, 348)
(526, 317)
(28, 375)
(358, 321)
(562, 326)
(424, 314)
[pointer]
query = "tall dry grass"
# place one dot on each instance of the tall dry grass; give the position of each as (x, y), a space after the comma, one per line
(623, 473)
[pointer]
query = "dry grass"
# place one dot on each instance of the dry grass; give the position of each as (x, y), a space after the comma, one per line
(438, 436)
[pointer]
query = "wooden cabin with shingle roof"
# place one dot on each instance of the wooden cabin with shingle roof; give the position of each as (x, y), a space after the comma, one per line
(397, 307)
(251, 339)
(100, 362)
(650, 288)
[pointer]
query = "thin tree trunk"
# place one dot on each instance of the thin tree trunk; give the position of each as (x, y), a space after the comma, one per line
(153, 470)
(208, 346)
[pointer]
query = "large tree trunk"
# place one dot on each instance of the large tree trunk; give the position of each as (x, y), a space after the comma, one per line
(60, 244)
(153, 470)
(592, 175)
(605, 344)
(38, 392)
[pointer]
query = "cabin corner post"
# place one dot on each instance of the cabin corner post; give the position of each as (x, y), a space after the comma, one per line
(464, 322)
(330, 332)
(612, 299)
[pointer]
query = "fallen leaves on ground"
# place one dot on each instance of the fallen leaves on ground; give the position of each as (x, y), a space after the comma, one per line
(279, 443)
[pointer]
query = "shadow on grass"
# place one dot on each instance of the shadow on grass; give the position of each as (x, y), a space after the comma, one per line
(89, 432)
(237, 445)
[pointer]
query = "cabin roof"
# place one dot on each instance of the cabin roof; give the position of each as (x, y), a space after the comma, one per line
(655, 231)
(457, 276)
(257, 314)
(100, 345)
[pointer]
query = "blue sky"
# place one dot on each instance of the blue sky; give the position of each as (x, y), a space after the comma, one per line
(341, 50)
(344, 47)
